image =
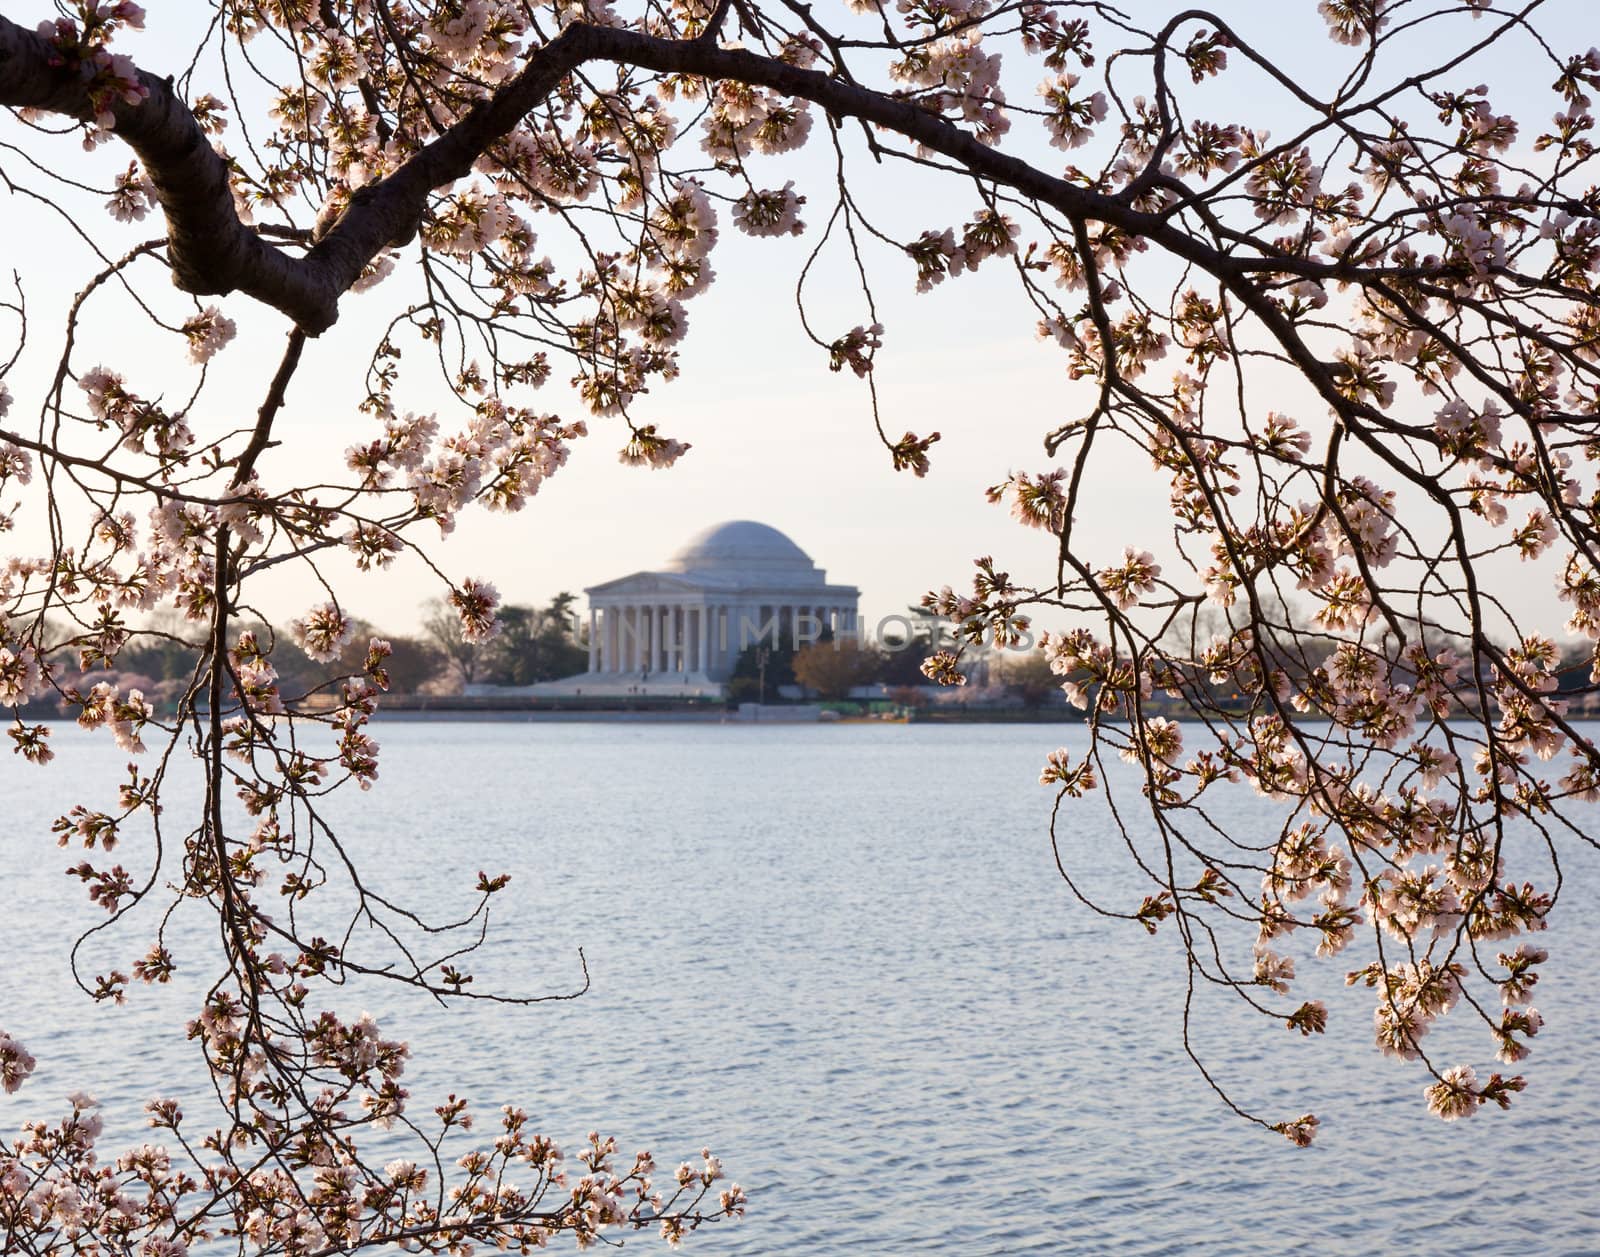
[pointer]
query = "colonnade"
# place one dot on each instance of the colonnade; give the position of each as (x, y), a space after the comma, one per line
(704, 638)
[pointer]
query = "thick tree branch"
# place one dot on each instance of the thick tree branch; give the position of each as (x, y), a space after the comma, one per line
(211, 250)
(214, 252)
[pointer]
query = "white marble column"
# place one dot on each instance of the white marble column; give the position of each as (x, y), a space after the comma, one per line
(703, 659)
(594, 639)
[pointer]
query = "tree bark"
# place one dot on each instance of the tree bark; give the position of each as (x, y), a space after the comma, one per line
(213, 252)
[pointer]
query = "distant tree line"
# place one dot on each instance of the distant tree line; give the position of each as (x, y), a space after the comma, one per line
(536, 644)
(546, 643)
(533, 644)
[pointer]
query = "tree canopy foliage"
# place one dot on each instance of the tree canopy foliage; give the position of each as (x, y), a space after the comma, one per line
(1358, 350)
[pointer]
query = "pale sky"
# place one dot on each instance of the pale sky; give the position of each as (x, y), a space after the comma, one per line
(776, 436)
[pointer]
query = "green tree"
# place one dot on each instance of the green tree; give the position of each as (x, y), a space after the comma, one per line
(535, 644)
(759, 671)
(902, 650)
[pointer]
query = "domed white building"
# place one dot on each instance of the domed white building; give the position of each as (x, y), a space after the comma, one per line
(680, 628)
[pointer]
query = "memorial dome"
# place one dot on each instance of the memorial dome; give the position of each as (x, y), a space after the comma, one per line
(747, 549)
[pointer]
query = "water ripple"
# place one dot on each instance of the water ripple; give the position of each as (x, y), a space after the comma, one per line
(841, 956)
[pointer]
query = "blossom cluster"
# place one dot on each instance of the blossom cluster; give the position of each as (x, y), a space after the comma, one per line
(1308, 620)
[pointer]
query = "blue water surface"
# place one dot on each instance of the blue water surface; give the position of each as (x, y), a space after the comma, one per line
(843, 958)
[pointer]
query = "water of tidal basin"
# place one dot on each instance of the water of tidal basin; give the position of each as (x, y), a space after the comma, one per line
(842, 957)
